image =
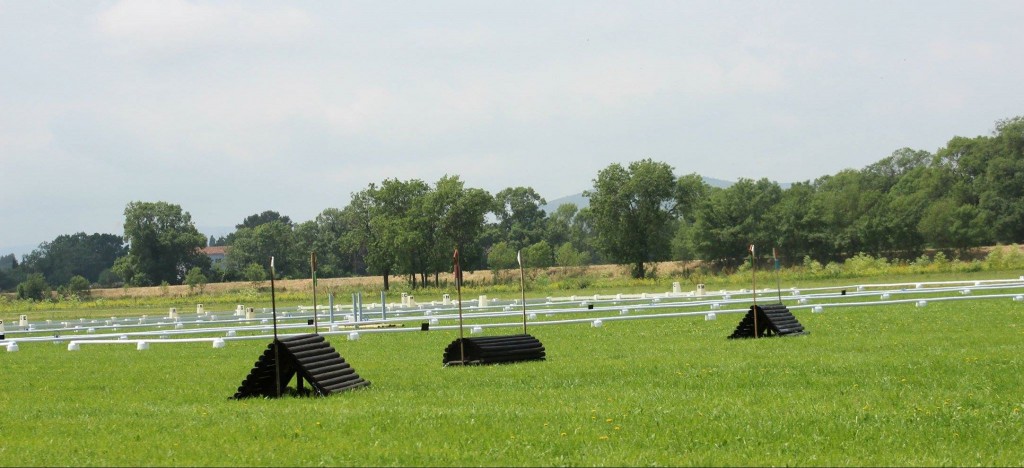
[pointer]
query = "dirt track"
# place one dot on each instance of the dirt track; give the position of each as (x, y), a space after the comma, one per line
(367, 282)
(480, 277)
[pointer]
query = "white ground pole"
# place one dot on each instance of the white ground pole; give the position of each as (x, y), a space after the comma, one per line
(639, 306)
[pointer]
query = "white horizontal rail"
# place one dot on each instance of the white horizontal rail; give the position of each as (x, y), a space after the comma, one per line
(629, 313)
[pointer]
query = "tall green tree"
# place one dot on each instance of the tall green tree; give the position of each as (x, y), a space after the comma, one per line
(257, 244)
(364, 240)
(406, 225)
(631, 212)
(461, 219)
(690, 193)
(569, 224)
(34, 288)
(844, 200)
(500, 257)
(251, 222)
(76, 254)
(945, 223)
(384, 220)
(539, 255)
(1001, 189)
(196, 280)
(163, 244)
(325, 235)
(735, 217)
(8, 262)
(558, 230)
(265, 217)
(801, 224)
(520, 218)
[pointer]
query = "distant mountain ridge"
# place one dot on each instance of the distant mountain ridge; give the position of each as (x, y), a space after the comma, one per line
(581, 201)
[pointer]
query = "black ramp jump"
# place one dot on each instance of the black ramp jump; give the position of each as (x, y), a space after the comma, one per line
(308, 357)
(494, 349)
(772, 320)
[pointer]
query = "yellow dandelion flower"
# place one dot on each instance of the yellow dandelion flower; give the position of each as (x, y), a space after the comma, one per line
(604, 437)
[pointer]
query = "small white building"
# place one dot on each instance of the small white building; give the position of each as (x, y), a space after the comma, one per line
(217, 255)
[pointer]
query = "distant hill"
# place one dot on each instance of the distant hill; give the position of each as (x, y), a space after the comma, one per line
(580, 201)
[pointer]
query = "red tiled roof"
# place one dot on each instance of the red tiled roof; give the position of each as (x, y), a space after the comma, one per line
(215, 250)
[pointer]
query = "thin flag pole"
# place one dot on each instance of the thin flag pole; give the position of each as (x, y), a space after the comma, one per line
(277, 345)
(753, 281)
(522, 285)
(458, 288)
(312, 266)
(778, 284)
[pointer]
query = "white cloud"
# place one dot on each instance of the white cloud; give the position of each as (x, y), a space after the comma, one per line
(367, 108)
(22, 133)
(176, 25)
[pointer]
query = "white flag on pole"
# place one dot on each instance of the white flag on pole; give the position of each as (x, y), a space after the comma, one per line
(519, 258)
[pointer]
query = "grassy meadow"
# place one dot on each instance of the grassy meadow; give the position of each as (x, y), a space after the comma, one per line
(891, 385)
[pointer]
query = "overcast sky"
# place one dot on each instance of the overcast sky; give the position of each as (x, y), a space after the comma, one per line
(230, 108)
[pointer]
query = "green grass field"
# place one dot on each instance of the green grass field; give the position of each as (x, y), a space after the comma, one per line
(892, 385)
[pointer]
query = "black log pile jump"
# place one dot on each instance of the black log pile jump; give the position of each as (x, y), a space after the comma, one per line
(308, 357)
(493, 350)
(771, 320)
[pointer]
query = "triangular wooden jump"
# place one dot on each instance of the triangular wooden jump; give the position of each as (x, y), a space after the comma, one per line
(309, 357)
(494, 349)
(772, 320)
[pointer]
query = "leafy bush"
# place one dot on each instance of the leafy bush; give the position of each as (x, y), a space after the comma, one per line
(108, 278)
(568, 256)
(195, 279)
(34, 288)
(77, 287)
(863, 264)
(538, 255)
(255, 275)
(1005, 258)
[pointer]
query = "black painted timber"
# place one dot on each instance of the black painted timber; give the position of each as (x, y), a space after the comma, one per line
(772, 320)
(494, 350)
(307, 357)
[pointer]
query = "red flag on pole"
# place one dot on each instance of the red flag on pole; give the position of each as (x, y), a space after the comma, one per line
(457, 269)
(458, 287)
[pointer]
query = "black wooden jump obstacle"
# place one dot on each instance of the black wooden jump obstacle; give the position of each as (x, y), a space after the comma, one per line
(308, 357)
(772, 320)
(493, 350)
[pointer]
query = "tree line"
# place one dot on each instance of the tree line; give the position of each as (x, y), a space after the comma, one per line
(967, 194)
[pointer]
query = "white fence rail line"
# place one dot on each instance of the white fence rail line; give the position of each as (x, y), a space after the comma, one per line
(627, 309)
